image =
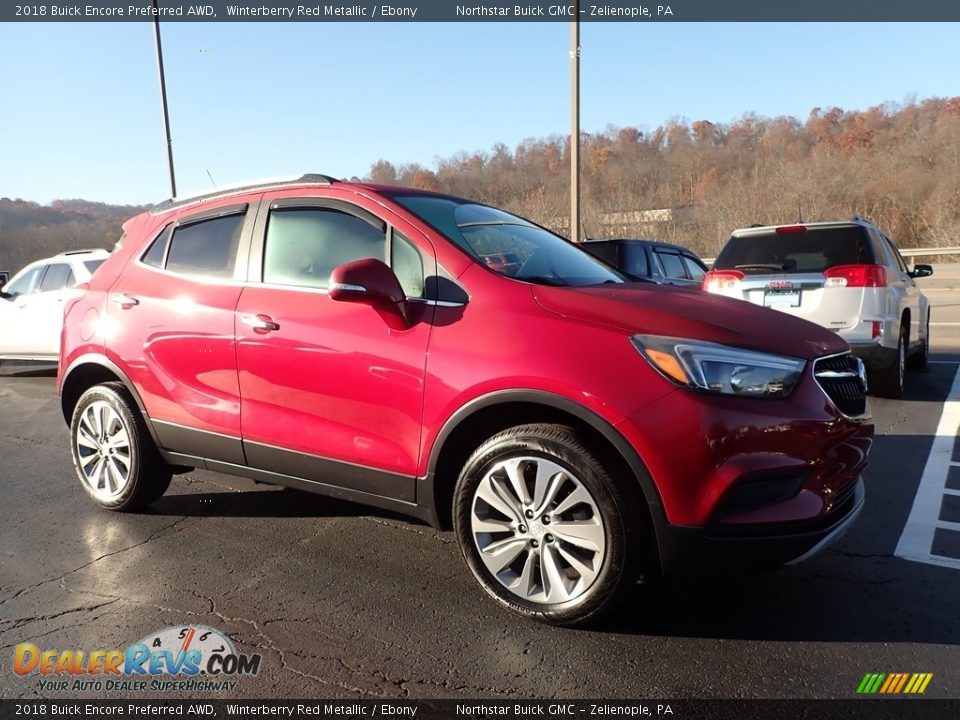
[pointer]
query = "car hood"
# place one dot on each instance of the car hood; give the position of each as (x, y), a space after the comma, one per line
(680, 312)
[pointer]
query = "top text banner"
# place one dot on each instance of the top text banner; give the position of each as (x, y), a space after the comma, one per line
(619, 11)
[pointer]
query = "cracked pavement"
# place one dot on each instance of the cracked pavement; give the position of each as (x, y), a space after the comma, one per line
(345, 601)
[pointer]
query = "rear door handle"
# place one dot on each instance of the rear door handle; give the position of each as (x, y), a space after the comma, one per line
(260, 323)
(125, 301)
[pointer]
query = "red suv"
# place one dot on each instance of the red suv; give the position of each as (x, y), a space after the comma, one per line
(577, 431)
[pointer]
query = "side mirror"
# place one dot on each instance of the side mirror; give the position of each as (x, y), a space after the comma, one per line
(920, 271)
(370, 282)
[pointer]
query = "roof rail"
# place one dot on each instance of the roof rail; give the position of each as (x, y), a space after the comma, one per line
(80, 252)
(181, 200)
(862, 218)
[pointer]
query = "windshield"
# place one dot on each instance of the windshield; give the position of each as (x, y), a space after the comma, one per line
(508, 244)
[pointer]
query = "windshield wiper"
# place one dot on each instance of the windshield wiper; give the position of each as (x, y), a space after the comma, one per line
(551, 280)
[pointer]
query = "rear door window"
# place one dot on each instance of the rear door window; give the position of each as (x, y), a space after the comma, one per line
(810, 251)
(672, 265)
(206, 247)
(57, 277)
(898, 258)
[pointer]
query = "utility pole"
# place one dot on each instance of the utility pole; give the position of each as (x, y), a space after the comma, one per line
(575, 124)
(163, 98)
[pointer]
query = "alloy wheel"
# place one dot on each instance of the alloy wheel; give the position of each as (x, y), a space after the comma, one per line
(103, 451)
(538, 530)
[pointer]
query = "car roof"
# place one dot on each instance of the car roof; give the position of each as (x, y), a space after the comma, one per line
(643, 241)
(94, 252)
(306, 180)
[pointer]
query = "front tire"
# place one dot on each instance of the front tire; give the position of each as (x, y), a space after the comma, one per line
(546, 529)
(113, 454)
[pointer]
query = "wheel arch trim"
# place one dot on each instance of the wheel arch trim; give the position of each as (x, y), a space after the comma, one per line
(426, 490)
(106, 363)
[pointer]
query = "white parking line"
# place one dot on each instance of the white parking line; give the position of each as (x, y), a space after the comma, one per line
(916, 541)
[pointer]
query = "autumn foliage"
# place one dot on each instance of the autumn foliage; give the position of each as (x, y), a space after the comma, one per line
(897, 164)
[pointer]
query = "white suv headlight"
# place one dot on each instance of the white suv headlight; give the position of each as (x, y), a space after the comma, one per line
(720, 368)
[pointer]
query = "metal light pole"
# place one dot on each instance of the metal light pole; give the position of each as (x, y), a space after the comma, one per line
(163, 98)
(575, 125)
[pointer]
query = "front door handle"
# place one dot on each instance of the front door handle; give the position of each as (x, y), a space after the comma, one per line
(260, 323)
(125, 301)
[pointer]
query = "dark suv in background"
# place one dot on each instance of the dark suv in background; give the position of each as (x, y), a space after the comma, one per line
(661, 262)
(577, 431)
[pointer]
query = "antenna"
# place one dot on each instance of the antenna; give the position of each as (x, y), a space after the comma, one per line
(211, 178)
(799, 211)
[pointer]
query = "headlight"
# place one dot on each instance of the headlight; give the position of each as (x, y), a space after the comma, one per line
(720, 368)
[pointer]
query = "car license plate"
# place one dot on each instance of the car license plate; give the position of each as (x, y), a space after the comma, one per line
(781, 298)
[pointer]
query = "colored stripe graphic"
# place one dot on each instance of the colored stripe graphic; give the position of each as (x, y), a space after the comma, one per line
(890, 682)
(894, 683)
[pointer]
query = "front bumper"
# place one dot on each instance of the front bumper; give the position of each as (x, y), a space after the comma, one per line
(747, 483)
(873, 354)
(718, 549)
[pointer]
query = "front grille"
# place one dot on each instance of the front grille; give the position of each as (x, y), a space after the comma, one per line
(842, 378)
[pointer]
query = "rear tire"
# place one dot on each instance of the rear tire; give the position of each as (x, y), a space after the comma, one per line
(888, 381)
(114, 456)
(548, 531)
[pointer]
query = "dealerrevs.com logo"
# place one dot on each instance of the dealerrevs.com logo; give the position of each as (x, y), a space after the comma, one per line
(187, 658)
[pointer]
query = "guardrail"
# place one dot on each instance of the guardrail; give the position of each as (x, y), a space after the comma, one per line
(905, 252)
(921, 252)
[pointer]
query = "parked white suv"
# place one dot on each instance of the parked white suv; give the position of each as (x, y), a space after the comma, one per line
(31, 304)
(846, 276)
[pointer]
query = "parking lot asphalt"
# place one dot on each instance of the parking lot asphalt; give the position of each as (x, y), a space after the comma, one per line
(344, 601)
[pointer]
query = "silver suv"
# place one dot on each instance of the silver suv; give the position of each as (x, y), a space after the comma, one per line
(847, 276)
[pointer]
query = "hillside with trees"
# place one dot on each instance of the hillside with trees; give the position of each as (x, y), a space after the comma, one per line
(29, 231)
(896, 164)
(687, 182)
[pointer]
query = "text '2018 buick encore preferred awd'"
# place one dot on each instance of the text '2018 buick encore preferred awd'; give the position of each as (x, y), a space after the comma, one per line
(575, 430)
